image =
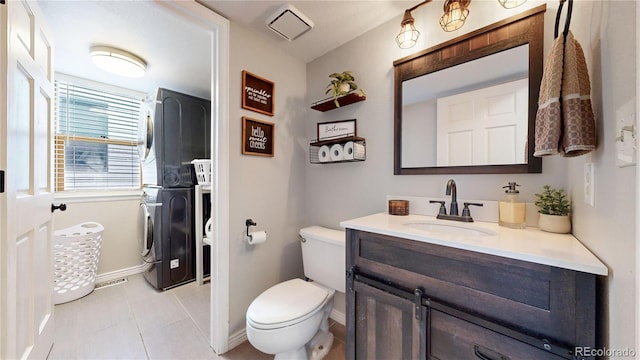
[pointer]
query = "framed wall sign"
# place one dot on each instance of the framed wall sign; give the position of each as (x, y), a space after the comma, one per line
(257, 137)
(257, 93)
(336, 129)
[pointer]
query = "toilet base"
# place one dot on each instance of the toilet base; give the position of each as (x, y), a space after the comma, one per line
(320, 345)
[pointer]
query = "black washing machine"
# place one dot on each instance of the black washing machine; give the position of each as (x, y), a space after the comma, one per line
(167, 242)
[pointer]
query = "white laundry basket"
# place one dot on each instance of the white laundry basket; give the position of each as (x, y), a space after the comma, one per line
(203, 171)
(76, 251)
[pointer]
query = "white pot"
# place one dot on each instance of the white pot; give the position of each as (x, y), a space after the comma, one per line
(344, 88)
(560, 224)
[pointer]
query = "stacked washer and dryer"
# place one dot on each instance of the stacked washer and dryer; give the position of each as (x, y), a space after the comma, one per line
(174, 130)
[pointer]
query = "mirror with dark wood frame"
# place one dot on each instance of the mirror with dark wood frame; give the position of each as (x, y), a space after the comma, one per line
(522, 34)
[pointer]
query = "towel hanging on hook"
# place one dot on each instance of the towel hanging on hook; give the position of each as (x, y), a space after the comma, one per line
(567, 19)
(565, 122)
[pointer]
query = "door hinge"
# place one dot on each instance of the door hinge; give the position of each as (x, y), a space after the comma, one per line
(1, 172)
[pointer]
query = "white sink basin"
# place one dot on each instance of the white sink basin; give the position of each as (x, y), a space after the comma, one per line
(451, 229)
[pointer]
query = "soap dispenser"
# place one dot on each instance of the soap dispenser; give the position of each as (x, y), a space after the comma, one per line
(511, 210)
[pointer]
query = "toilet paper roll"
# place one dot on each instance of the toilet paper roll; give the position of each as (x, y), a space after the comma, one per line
(348, 150)
(324, 153)
(257, 237)
(353, 151)
(337, 152)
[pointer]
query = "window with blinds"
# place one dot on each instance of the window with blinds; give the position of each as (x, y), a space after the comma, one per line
(95, 138)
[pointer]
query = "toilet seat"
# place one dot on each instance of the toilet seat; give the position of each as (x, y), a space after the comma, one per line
(285, 304)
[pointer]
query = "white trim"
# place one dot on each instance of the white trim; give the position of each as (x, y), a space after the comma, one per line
(238, 338)
(338, 316)
(112, 275)
(219, 28)
(637, 317)
(100, 86)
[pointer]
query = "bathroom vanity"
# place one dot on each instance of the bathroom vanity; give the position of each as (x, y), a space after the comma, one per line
(422, 288)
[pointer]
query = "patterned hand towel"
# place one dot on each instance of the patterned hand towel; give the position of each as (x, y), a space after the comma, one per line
(579, 127)
(548, 129)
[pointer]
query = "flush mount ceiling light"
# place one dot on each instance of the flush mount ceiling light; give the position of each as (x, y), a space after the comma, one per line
(408, 34)
(510, 4)
(118, 61)
(455, 14)
(289, 22)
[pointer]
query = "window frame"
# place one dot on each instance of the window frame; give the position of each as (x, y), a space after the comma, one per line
(60, 139)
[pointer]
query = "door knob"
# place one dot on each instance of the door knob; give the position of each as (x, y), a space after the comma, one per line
(61, 207)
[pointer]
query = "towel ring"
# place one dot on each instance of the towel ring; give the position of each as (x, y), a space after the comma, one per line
(567, 20)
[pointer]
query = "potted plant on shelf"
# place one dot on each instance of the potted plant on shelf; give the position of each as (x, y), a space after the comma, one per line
(554, 208)
(341, 84)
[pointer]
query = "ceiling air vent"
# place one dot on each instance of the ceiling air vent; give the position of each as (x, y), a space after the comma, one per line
(289, 22)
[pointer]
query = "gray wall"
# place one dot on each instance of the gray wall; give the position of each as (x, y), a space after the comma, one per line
(336, 192)
(267, 190)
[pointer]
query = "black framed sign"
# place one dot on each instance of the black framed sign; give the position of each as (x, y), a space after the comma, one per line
(336, 129)
(257, 93)
(257, 137)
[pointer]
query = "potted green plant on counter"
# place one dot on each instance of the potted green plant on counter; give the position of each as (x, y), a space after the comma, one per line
(341, 84)
(554, 208)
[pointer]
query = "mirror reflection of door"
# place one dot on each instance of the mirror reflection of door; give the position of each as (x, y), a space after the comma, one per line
(483, 127)
(475, 113)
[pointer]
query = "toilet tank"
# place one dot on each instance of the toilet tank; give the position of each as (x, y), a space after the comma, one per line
(323, 256)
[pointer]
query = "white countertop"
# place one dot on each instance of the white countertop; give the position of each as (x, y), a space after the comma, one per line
(530, 244)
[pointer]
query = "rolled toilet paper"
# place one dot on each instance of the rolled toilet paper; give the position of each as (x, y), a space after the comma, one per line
(337, 152)
(324, 153)
(353, 151)
(257, 237)
(348, 150)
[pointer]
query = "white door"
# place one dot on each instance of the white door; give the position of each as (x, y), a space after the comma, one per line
(484, 127)
(26, 265)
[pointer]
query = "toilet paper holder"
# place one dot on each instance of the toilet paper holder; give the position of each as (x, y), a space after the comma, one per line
(249, 223)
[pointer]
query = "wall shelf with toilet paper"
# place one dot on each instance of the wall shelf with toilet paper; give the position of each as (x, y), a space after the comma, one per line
(344, 149)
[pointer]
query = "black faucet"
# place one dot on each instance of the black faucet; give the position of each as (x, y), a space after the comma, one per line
(453, 191)
(453, 213)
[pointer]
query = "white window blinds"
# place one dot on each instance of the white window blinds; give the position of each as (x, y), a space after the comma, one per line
(96, 138)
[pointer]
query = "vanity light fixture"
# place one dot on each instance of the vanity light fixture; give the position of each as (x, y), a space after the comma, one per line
(118, 61)
(510, 4)
(455, 14)
(408, 33)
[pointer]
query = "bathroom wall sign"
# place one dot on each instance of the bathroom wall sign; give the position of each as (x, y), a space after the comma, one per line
(257, 93)
(257, 137)
(336, 129)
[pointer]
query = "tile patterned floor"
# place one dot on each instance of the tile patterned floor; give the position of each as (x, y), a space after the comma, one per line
(134, 321)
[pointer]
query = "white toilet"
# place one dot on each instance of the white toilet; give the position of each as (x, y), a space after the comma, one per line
(290, 319)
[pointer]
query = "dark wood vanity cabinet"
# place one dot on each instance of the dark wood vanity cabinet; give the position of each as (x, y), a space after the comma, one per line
(414, 300)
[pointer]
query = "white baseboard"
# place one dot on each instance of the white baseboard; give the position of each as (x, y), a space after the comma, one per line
(237, 338)
(338, 316)
(112, 275)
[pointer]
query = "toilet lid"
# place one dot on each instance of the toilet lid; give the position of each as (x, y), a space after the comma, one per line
(291, 301)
